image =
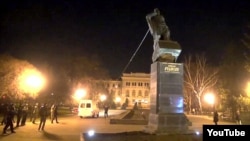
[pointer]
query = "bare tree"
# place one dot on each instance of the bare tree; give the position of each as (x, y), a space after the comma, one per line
(10, 70)
(246, 42)
(198, 77)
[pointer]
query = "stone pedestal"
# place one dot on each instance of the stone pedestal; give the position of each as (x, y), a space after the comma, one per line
(166, 99)
(166, 50)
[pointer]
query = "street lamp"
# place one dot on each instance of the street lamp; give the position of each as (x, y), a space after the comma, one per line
(103, 97)
(31, 82)
(210, 99)
(80, 94)
(117, 99)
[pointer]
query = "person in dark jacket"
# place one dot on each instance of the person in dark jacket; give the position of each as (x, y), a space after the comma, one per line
(106, 110)
(216, 117)
(43, 113)
(24, 114)
(19, 114)
(238, 120)
(9, 119)
(55, 113)
(4, 111)
(35, 113)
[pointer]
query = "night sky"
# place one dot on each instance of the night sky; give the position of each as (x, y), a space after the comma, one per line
(45, 30)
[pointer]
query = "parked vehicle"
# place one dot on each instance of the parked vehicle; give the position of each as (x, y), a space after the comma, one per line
(87, 108)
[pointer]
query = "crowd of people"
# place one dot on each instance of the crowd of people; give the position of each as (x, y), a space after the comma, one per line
(16, 115)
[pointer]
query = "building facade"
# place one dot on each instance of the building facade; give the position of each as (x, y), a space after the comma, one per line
(132, 87)
(135, 88)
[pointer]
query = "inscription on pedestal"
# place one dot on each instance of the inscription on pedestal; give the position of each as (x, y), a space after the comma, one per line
(166, 88)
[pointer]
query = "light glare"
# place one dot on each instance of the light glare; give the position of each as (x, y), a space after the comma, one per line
(91, 132)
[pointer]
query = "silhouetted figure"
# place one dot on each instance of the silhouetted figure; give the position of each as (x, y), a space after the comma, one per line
(4, 111)
(35, 113)
(30, 112)
(238, 120)
(106, 109)
(19, 114)
(54, 113)
(135, 106)
(9, 119)
(216, 117)
(24, 114)
(43, 113)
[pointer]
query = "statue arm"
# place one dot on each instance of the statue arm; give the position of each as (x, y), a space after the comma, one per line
(150, 23)
(150, 15)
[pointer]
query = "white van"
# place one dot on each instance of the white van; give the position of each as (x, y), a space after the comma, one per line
(87, 108)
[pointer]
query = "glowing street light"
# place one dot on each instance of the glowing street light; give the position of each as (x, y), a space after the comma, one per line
(117, 99)
(248, 89)
(80, 94)
(209, 98)
(31, 81)
(103, 97)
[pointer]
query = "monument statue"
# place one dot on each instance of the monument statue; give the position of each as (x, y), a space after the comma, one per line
(164, 48)
(166, 80)
(157, 25)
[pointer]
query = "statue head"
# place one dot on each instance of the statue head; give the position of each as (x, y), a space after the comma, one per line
(156, 10)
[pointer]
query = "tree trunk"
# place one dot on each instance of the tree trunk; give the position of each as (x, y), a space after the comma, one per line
(199, 102)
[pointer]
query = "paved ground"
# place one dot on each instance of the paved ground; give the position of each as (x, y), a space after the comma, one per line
(69, 128)
(199, 120)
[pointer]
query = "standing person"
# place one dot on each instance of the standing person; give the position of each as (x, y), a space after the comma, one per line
(24, 114)
(52, 112)
(55, 114)
(35, 113)
(5, 110)
(30, 111)
(106, 109)
(19, 114)
(43, 112)
(216, 117)
(9, 119)
(238, 120)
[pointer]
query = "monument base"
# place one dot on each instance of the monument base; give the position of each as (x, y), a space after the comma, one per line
(167, 124)
(166, 51)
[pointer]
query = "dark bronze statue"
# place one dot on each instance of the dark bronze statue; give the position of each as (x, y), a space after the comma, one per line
(165, 50)
(157, 25)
